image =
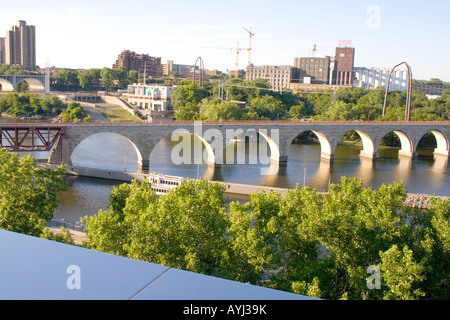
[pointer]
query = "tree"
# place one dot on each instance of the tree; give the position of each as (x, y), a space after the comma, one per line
(29, 195)
(216, 110)
(400, 273)
(266, 107)
(185, 93)
(184, 228)
(89, 79)
(108, 76)
(306, 242)
(74, 113)
(298, 111)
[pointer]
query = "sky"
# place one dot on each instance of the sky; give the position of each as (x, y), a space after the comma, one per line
(91, 34)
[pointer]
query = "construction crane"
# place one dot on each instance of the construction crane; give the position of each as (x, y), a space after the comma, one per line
(237, 53)
(251, 34)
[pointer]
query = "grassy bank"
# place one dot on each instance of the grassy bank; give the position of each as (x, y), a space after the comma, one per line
(119, 115)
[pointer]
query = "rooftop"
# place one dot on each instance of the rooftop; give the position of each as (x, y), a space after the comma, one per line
(37, 269)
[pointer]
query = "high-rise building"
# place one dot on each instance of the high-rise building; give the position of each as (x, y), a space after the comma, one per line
(343, 66)
(2, 50)
(313, 70)
(20, 46)
(143, 63)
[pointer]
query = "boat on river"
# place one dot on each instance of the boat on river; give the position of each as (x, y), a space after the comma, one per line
(162, 183)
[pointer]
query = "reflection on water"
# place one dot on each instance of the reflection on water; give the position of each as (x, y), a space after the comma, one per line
(424, 174)
(84, 197)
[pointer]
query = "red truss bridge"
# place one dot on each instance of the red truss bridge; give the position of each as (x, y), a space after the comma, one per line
(17, 137)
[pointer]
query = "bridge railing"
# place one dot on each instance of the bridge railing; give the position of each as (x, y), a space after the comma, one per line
(243, 122)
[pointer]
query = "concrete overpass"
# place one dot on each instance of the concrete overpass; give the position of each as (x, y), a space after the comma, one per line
(278, 134)
(36, 83)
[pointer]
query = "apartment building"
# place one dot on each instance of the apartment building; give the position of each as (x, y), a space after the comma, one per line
(19, 46)
(143, 63)
(2, 50)
(279, 77)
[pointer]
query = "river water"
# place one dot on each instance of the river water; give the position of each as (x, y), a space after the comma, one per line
(86, 196)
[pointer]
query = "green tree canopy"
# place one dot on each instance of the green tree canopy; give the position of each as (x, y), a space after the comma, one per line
(307, 242)
(28, 195)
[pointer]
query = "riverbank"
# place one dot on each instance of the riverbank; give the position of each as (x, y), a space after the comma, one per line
(416, 200)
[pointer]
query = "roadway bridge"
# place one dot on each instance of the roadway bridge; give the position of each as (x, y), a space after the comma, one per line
(36, 83)
(63, 139)
(278, 134)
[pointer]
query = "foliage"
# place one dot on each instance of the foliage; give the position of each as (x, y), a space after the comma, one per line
(216, 110)
(185, 99)
(28, 195)
(63, 235)
(74, 113)
(182, 229)
(7, 69)
(307, 242)
(30, 104)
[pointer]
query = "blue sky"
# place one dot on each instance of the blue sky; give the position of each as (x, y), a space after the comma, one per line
(87, 34)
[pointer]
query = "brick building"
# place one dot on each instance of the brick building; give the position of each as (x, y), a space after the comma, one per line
(316, 70)
(343, 66)
(140, 62)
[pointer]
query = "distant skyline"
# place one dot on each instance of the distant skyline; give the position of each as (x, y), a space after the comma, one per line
(90, 34)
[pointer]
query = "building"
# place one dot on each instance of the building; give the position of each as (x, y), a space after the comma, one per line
(279, 77)
(313, 70)
(19, 46)
(143, 63)
(431, 90)
(342, 73)
(236, 73)
(214, 72)
(180, 69)
(153, 101)
(2, 50)
(371, 78)
(195, 74)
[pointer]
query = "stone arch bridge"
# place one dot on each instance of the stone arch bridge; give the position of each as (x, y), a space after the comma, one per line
(278, 134)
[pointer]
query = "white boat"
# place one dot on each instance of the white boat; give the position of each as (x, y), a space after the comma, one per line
(162, 183)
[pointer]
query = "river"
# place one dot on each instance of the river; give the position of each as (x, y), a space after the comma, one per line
(86, 196)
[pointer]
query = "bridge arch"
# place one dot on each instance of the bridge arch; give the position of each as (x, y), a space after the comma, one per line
(406, 144)
(257, 150)
(112, 150)
(6, 85)
(368, 149)
(326, 148)
(442, 142)
(189, 141)
(34, 85)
